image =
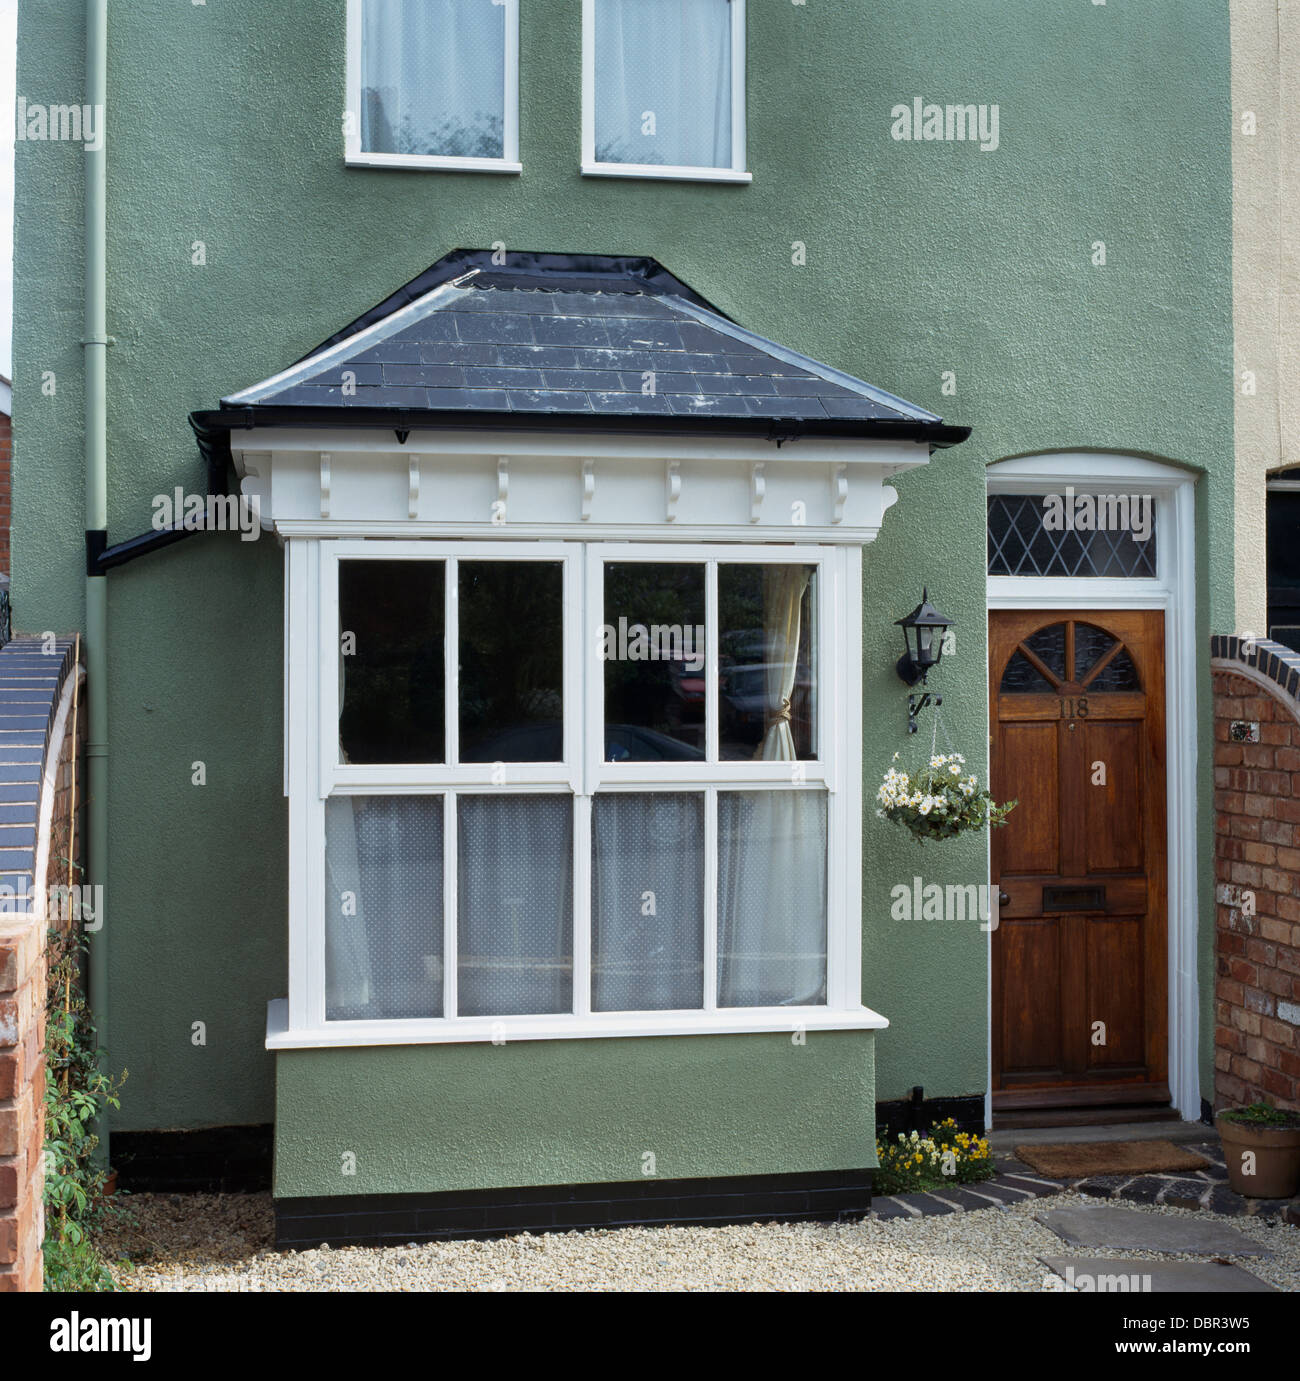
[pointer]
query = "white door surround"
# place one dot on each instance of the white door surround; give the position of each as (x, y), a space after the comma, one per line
(1173, 590)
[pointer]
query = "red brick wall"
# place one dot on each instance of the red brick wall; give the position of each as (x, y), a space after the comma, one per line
(1257, 867)
(22, 1091)
(6, 489)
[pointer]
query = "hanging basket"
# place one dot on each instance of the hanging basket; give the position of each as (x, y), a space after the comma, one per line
(940, 801)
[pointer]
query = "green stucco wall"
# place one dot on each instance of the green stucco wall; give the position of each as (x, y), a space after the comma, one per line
(225, 128)
(561, 1112)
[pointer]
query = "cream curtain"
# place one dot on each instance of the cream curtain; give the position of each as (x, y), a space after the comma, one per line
(783, 592)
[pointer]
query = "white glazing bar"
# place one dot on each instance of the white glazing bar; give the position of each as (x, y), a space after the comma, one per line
(582, 871)
(449, 903)
(711, 899)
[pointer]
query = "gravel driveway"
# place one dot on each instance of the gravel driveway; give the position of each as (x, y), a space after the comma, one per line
(217, 1243)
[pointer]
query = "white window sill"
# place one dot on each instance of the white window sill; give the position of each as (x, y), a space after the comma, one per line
(504, 1030)
(664, 172)
(430, 162)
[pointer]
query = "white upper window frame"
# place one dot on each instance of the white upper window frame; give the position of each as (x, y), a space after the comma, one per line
(737, 172)
(315, 773)
(356, 156)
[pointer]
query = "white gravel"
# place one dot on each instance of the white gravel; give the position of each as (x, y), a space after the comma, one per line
(219, 1243)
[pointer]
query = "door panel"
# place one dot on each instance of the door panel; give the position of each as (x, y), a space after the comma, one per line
(1077, 737)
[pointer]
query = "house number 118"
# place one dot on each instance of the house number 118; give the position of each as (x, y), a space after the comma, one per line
(1071, 707)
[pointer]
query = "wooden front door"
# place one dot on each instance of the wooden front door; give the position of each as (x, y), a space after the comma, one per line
(1077, 710)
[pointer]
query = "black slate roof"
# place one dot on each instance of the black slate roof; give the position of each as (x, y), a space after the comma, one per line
(556, 337)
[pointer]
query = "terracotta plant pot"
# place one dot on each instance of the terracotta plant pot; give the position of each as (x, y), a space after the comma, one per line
(1277, 1158)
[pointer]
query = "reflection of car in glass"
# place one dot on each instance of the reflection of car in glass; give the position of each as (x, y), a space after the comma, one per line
(744, 703)
(544, 742)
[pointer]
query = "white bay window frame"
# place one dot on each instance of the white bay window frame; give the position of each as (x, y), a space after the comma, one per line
(314, 773)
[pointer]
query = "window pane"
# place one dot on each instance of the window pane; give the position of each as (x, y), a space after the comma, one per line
(511, 661)
(647, 923)
(433, 77)
(771, 898)
(391, 691)
(1118, 542)
(663, 82)
(383, 907)
(766, 667)
(515, 918)
(653, 647)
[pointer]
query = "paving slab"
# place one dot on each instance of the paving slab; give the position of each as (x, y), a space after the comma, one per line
(1132, 1229)
(1101, 1274)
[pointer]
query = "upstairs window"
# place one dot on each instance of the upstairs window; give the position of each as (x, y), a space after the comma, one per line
(434, 84)
(664, 89)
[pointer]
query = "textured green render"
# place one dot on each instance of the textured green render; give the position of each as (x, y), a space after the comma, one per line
(225, 127)
(559, 1112)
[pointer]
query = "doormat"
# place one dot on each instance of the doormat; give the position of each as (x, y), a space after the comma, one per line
(1070, 1161)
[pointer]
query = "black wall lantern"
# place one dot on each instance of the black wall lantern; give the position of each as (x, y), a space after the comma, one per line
(923, 631)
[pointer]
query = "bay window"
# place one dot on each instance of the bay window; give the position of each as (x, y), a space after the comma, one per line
(567, 788)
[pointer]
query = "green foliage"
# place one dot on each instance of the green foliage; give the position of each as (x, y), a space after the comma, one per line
(77, 1093)
(945, 1156)
(940, 800)
(1263, 1115)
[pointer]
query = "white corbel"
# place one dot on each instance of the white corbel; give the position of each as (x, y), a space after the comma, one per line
(840, 487)
(503, 488)
(674, 478)
(324, 484)
(413, 488)
(757, 490)
(588, 488)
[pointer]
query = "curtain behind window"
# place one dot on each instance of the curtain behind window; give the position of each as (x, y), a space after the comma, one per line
(669, 62)
(433, 77)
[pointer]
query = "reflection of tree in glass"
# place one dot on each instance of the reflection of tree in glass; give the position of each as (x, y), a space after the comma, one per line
(620, 151)
(511, 645)
(480, 135)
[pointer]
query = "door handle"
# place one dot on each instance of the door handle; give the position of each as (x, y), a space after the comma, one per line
(1003, 899)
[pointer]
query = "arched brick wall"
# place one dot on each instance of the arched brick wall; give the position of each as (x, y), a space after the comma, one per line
(1257, 872)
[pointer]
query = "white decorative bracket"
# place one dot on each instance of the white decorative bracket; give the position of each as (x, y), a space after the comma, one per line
(757, 491)
(503, 484)
(324, 484)
(588, 488)
(413, 490)
(840, 484)
(674, 477)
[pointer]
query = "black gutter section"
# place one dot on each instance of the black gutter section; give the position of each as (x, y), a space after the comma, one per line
(123, 552)
(213, 428)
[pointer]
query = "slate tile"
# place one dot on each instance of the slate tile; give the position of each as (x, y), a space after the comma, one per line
(585, 379)
(802, 408)
(703, 405)
(498, 376)
(500, 330)
(468, 352)
(886, 1208)
(1144, 1189)
(436, 327)
(964, 1198)
(644, 334)
(548, 400)
(391, 351)
(484, 399)
(928, 1204)
(570, 330)
(532, 357)
(629, 402)
(425, 375)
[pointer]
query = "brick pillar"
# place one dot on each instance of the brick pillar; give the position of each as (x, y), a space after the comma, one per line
(22, 1092)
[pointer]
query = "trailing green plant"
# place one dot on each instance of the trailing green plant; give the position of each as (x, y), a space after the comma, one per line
(1262, 1115)
(944, 1156)
(77, 1093)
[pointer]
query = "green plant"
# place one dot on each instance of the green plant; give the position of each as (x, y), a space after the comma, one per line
(77, 1093)
(944, 1156)
(939, 801)
(1262, 1115)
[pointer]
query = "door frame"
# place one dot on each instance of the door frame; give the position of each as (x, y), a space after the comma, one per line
(1173, 590)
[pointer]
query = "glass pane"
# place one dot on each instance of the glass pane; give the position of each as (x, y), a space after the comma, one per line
(391, 690)
(771, 898)
(653, 647)
(663, 82)
(647, 888)
(511, 661)
(433, 77)
(766, 667)
(1120, 540)
(1048, 645)
(1022, 677)
(383, 907)
(515, 921)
